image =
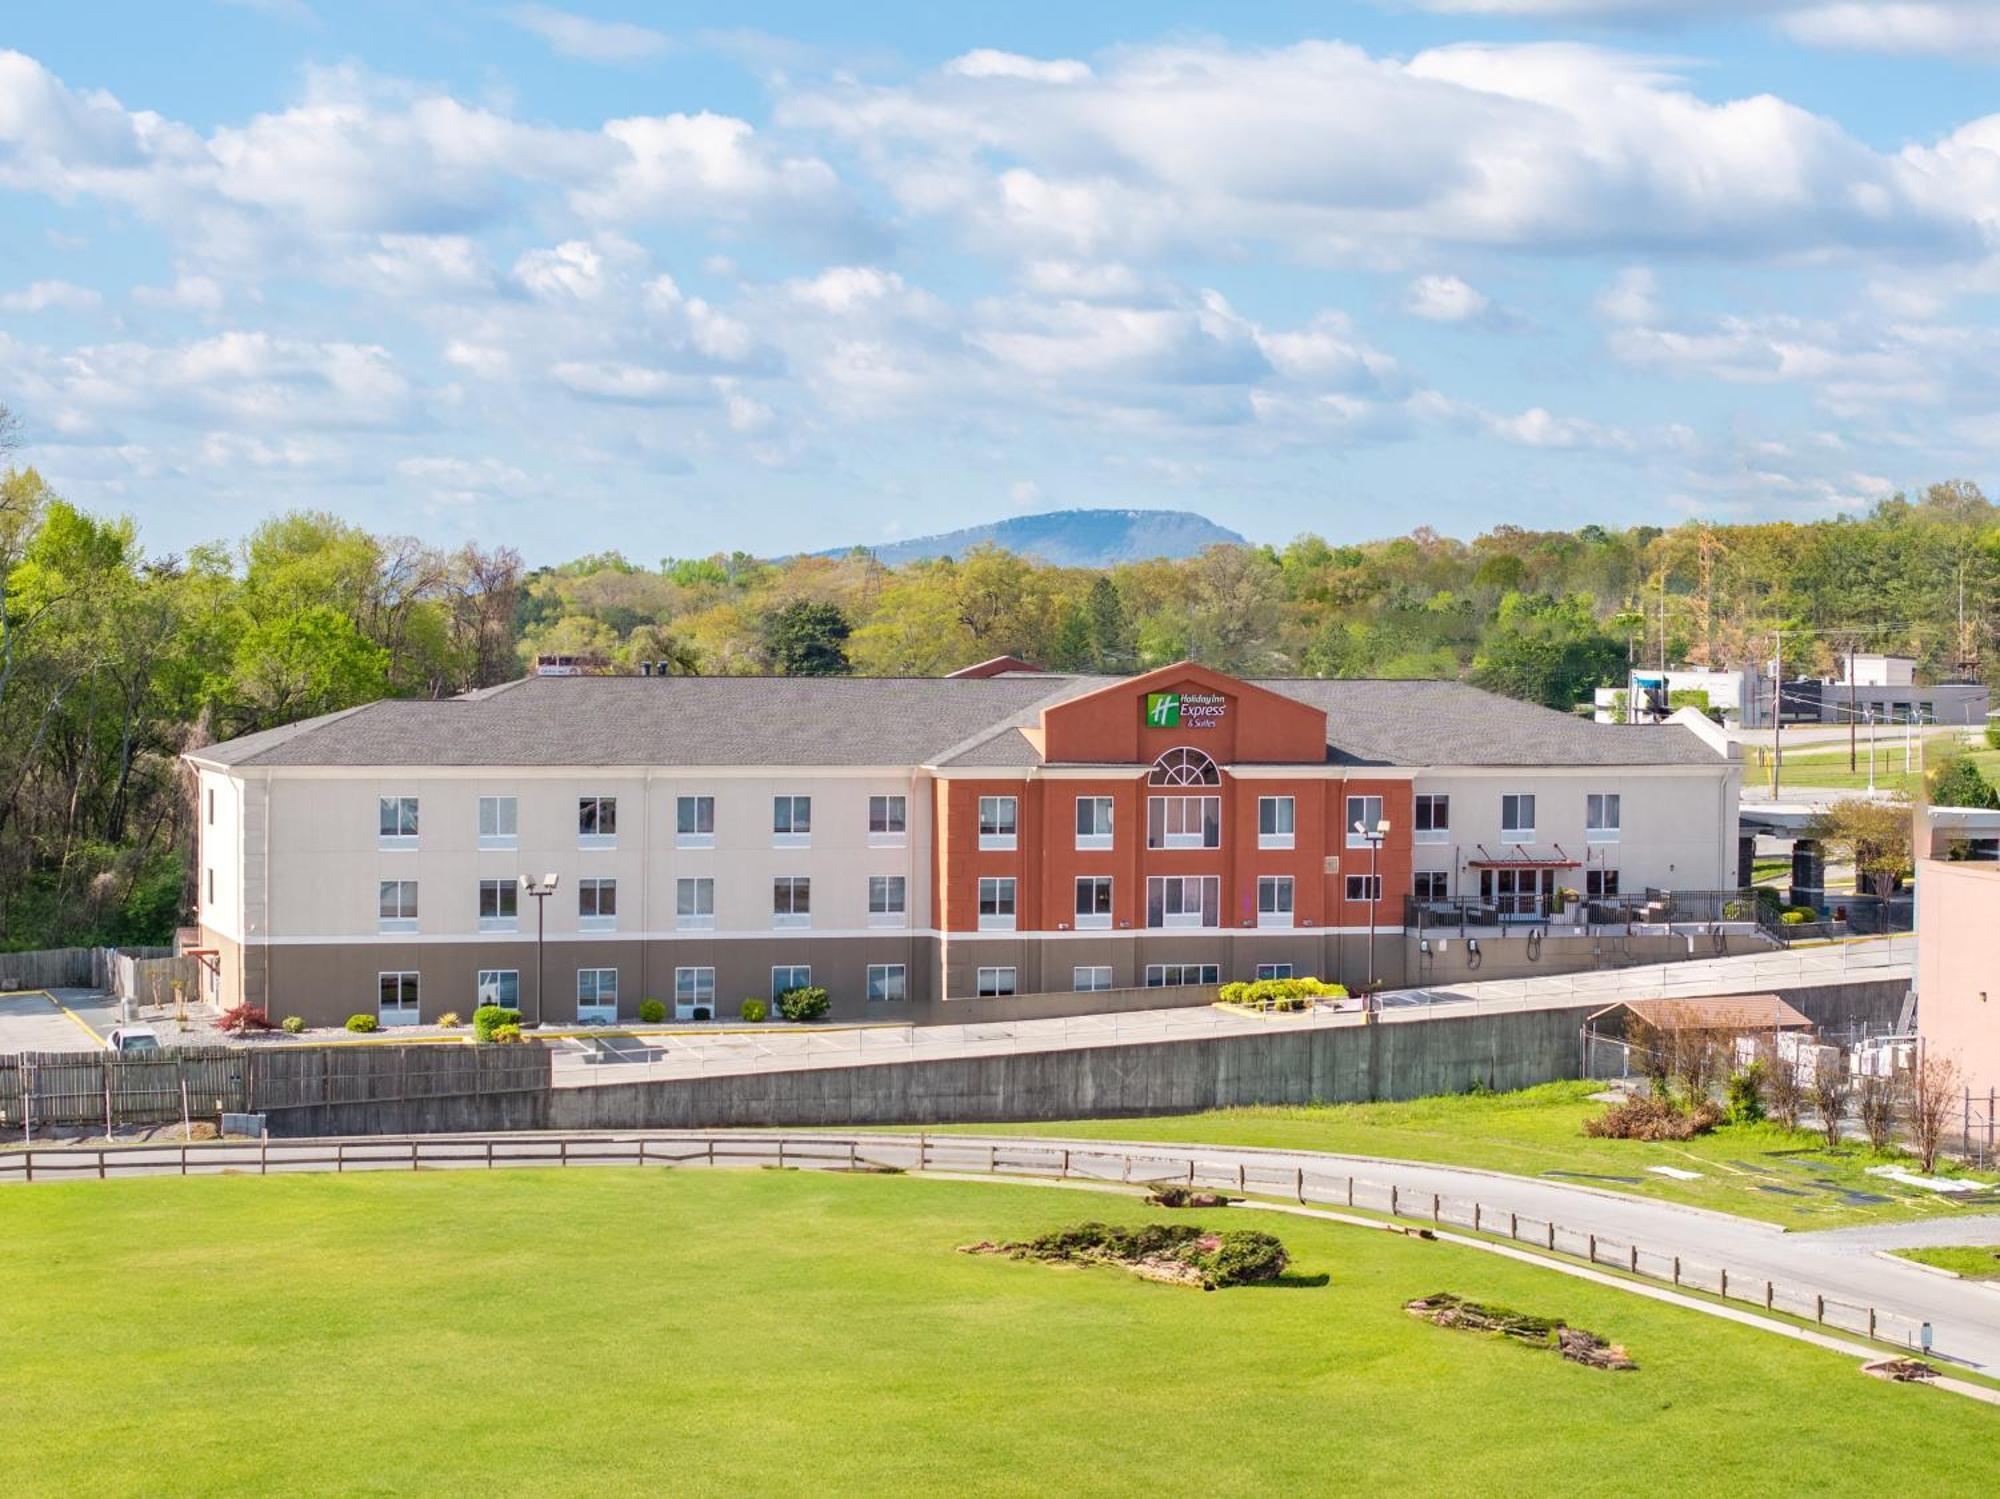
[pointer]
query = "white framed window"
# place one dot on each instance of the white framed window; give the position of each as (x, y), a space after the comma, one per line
(1183, 900)
(396, 999)
(597, 905)
(791, 821)
(1517, 817)
(1183, 822)
(888, 983)
(1093, 822)
(888, 821)
(1093, 902)
(597, 822)
(1600, 884)
(1430, 819)
(396, 822)
(1274, 970)
(596, 994)
(694, 822)
(694, 993)
(999, 822)
(694, 903)
(996, 903)
(1365, 810)
(1365, 887)
(791, 900)
(499, 906)
(498, 986)
(1431, 884)
(1179, 975)
(1274, 900)
(1601, 815)
(1091, 978)
(888, 896)
(995, 983)
(396, 906)
(499, 822)
(785, 977)
(1277, 821)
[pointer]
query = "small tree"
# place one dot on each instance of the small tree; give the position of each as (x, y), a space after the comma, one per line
(1955, 781)
(1830, 1099)
(1928, 1100)
(1746, 1092)
(1875, 1105)
(1875, 836)
(1784, 1092)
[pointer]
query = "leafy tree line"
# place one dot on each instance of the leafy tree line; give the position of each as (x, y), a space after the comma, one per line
(113, 662)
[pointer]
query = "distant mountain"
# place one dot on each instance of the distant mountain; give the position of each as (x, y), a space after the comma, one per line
(1071, 538)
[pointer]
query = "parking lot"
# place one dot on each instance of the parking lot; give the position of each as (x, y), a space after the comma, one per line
(59, 1020)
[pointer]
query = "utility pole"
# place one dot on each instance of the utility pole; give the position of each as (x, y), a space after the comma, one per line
(1850, 705)
(1777, 712)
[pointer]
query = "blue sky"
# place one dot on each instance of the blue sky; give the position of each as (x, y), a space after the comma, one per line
(674, 279)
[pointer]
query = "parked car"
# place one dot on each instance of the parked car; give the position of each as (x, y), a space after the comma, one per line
(133, 1038)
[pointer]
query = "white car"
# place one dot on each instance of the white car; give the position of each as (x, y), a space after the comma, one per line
(133, 1038)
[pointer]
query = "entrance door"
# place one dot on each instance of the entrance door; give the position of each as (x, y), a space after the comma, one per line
(1519, 894)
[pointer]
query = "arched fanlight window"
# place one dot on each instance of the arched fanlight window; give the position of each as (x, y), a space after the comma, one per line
(1184, 767)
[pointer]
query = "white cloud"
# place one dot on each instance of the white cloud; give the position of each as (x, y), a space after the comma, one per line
(43, 296)
(464, 481)
(1632, 297)
(483, 360)
(843, 288)
(985, 62)
(572, 270)
(632, 384)
(709, 166)
(1969, 29)
(586, 39)
(1106, 281)
(189, 293)
(1446, 299)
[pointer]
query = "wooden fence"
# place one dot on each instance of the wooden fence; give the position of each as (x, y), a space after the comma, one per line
(300, 1089)
(53, 968)
(1000, 1156)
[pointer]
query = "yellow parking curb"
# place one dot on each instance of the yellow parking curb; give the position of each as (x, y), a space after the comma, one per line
(83, 1025)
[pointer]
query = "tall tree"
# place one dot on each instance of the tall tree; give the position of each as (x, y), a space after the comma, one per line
(805, 638)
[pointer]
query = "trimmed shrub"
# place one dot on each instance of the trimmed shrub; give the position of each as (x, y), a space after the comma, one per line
(1993, 733)
(1244, 1256)
(503, 1034)
(449, 1021)
(1278, 994)
(294, 1024)
(361, 1025)
(1181, 1252)
(755, 1011)
(242, 1019)
(489, 1018)
(809, 1003)
(1798, 915)
(652, 1011)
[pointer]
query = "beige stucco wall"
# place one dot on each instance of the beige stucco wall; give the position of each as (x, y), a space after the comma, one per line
(1958, 966)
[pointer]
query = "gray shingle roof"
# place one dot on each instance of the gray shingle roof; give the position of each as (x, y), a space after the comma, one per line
(962, 722)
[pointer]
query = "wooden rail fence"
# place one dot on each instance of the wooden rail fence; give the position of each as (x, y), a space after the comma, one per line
(1144, 1166)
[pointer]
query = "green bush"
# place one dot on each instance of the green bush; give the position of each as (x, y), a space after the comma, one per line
(1993, 733)
(754, 1011)
(809, 1003)
(502, 1034)
(1279, 994)
(1244, 1256)
(652, 1011)
(293, 1024)
(1746, 1093)
(1797, 916)
(489, 1018)
(361, 1024)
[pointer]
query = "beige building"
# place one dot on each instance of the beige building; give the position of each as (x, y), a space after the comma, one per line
(909, 843)
(1958, 967)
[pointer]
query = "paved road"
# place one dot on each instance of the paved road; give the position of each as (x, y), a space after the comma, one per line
(31, 1021)
(1965, 1316)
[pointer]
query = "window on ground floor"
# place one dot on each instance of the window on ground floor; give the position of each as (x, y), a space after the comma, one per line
(694, 993)
(1431, 884)
(996, 982)
(888, 983)
(785, 977)
(1090, 978)
(1599, 884)
(1177, 975)
(597, 994)
(499, 986)
(1274, 970)
(396, 1002)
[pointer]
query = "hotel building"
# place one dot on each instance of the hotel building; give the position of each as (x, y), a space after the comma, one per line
(1002, 841)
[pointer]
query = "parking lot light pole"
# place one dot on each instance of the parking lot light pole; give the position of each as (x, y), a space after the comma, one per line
(541, 890)
(1375, 836)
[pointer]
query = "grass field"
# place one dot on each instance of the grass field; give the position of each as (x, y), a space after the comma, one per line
(628, 1332)
(1973, 1261)
(1824, 765)
(1756, 1171)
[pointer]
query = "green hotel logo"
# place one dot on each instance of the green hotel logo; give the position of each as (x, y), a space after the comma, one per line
(1163, 710)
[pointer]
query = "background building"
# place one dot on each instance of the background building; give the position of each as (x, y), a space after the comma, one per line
(908, 844)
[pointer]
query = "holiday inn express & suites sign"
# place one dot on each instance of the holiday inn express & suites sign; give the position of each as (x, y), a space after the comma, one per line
(1185, 710)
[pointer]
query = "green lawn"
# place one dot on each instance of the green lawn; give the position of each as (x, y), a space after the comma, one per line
(1757, 1171)
(1973, 1261)
(1824, 765)
(646, 1332)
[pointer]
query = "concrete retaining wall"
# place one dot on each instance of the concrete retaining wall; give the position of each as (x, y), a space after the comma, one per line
(1404, 1059)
